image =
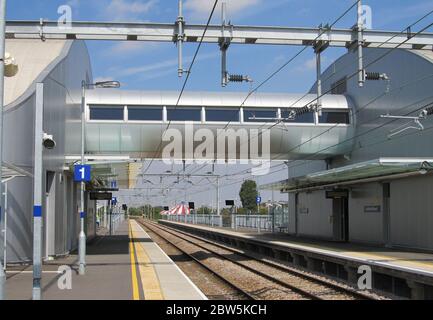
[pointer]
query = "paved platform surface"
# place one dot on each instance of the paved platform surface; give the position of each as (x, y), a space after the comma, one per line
(160, 277)
(408, 261)
(125, 266)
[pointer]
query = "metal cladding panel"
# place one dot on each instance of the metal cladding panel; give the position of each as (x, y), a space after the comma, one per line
(364, 226)
(411, 207)
(313, 215)
(62, 83)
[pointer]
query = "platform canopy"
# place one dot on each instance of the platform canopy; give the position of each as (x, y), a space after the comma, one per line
(107, 169)
(360, 172)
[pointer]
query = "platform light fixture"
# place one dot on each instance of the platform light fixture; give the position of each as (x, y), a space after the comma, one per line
(107, 84)
(425, 167)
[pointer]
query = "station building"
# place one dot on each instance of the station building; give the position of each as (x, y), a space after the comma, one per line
(379, 190)
(354, 175)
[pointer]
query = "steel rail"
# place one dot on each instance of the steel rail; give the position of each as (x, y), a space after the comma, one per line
(262, 274)
(228, 282)
(292, 271)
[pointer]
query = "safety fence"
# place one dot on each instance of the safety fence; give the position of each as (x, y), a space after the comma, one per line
(257, 222)
(204, 219)
(116, 219)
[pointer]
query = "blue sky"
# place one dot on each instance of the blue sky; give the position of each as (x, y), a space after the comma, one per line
(144, 65)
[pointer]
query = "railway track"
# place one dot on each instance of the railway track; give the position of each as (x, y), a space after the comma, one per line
(226, 289)
(255, 278)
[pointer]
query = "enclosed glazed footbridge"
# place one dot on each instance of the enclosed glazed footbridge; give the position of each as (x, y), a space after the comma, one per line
(133, 123)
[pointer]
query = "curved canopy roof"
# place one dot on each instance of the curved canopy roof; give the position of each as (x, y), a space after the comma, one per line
(33, 57)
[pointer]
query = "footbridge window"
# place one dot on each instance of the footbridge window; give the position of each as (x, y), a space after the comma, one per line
(260, 115)
(302, 118)
(144, 113)
(222, 115)
(110, 113)
(183, 114)
(335, 117)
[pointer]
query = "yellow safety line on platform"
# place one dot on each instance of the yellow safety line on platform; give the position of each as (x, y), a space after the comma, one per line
(149, 279)
(135, 291)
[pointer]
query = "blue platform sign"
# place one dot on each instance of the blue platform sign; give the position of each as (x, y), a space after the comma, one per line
(82, 173)
(113, 184)
(259, 200)
(114, 201)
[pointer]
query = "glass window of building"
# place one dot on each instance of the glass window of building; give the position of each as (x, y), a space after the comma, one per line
(335, 117)
(112, 113)
(260, 115)
(302, 118)
(145, 113)
(222, 115)
(183, 114)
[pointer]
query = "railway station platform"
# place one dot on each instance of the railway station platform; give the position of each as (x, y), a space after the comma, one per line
(125, 266)
(399, 273)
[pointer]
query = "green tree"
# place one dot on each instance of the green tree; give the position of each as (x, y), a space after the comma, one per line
(204, 210)
(134, 211)
(248, 195)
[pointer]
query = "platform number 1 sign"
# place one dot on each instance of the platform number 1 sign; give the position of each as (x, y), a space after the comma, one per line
(82, 173)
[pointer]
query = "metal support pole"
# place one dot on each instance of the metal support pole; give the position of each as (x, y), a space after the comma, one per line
(5, 228)
(82, 236)
(37, 193)
(2, 71)
(224, 77)
(224, 45)
(319, 82)
(218, 196)
(361, 74)
(111, 220)
(180, 38)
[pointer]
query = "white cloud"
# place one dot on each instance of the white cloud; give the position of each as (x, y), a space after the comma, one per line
(128, 10)
(202, 8)
(132, 47)
(153, 70)
(171, 63)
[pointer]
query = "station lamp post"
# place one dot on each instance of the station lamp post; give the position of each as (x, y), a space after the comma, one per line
(2, 71)
(82, 236)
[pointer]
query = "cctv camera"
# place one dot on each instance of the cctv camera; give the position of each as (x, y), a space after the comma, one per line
(11, 67)
(48, 141)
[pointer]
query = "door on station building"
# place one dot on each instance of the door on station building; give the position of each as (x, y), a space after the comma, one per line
(340, 207)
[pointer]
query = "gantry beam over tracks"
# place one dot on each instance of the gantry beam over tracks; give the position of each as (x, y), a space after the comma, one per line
(167, 32)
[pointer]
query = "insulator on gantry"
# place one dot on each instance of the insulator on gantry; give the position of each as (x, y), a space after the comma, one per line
(238, 78)
(375, 76)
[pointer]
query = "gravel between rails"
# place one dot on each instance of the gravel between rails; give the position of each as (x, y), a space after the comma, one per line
(213, 287)
(257, 286)
(307, 282)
